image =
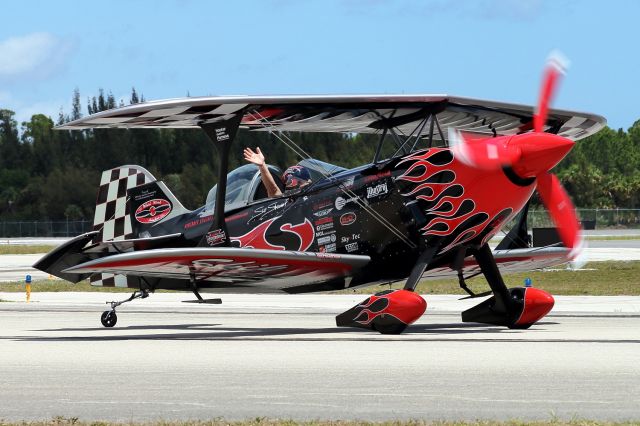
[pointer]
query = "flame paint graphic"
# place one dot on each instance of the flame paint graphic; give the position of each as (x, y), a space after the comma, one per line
(432, 181)
(373, 307)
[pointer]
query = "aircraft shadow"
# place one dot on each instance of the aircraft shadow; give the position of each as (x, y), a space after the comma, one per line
(464, 332)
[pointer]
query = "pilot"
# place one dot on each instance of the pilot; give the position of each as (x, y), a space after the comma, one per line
(294, 178)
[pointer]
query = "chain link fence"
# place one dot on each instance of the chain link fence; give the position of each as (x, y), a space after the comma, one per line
(591, 219)
(40, 229)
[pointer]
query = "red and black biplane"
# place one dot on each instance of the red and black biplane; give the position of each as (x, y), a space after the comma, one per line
(460, 170)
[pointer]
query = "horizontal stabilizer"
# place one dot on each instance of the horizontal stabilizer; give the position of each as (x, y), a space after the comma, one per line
(66, 255)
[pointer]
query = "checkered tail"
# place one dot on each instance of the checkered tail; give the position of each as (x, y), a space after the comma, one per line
(112, 217)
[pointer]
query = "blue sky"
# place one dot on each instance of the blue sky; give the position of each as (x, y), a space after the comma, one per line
(491, 49)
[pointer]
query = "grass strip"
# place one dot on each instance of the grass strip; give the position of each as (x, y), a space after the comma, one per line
(25, 249)
(56, 285)
(595, 279)
(612, 237)
(260, 421)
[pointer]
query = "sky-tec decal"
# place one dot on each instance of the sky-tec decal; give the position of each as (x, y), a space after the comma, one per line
(153, 210)
(351, 247)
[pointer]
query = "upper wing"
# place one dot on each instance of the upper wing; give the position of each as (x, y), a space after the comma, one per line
(509, 261)
(228, 266)
(343, 113)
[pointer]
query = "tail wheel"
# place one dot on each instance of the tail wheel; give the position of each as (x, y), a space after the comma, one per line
(109, 318)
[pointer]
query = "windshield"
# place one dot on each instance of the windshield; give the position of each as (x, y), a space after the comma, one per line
(238, 187)
(243, 181)
(320, 169)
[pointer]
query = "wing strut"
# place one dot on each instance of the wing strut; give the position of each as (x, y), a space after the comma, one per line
(222, 133)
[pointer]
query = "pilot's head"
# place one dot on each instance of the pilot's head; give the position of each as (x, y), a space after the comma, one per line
(296, 177)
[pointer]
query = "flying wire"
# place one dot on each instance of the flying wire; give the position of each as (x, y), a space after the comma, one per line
(352, 195)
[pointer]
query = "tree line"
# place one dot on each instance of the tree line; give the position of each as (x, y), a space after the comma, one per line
(54, 175)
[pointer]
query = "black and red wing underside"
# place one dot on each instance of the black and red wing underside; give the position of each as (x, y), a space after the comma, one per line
(509, 262)
(343, 114)
(278, 270)
(266, 268)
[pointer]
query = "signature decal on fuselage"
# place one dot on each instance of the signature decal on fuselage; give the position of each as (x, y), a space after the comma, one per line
(264, 210)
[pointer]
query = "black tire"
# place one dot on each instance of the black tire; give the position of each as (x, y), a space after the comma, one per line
(108, 318)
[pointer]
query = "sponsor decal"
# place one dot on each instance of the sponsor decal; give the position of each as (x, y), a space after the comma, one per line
(323, 212)
(341, 202)
(329, 248)
(153, 210)
(322, 205)
(221, 134)
(344, 240)
(324, 224)
(348, 219)
(215, 237)
(198, 222)
(237, 217)
(381, 175)
(323, 220)
(327, 239)
(327, 256)
(325, 232)
(351, 247)
(376, 191)
(324, 227)
(348, 182)
(146, 193)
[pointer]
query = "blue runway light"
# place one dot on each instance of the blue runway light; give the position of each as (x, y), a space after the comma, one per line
(28, 279)
(527, 282)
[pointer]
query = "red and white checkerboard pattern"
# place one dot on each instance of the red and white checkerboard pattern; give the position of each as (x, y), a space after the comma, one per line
(112, 218)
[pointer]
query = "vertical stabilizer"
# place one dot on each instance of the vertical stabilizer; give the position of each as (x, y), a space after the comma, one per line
(112, 218)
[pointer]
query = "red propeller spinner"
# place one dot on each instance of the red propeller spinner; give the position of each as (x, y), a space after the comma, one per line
(531, 155)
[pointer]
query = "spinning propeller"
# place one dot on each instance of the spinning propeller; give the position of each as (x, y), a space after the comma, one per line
(530, 155)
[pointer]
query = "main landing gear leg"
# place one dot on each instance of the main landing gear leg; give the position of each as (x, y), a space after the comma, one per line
(109, 318)
(391, 311)
(517, 307)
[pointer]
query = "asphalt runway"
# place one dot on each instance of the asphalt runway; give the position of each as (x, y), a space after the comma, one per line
(283, 357)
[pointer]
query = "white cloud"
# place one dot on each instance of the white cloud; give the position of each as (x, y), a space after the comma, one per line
(36, 53)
